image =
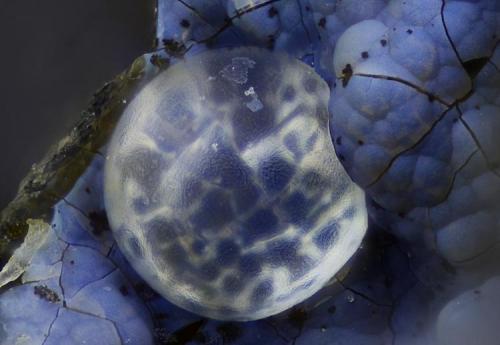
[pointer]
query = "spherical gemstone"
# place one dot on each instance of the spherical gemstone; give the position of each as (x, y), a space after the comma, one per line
(223, 189)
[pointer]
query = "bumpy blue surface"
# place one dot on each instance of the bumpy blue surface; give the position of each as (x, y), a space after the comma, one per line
(415, 119)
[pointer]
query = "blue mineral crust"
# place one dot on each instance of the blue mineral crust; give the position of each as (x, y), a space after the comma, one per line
(414, 108)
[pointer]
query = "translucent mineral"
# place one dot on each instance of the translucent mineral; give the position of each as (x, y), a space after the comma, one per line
(223, 189)
(413, 116)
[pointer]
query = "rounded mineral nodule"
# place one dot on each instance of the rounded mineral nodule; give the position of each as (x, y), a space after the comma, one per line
(223, 189)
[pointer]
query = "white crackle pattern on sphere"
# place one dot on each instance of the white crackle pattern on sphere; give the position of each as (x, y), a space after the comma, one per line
(223, 188)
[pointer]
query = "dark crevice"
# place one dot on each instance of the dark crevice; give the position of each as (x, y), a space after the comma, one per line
(98, 317)
(110, 251)
(397, 300)
(70, 204)
(189, 7)
(93, 281)
(297, 318)
(346, 75)
(277, 331)
(448, 36)
(185, 335)
(411, 269)
(419, 141)
(229, 21)
(51, 264)
(294, 341)
(494, 65)
(51, 325)
(452, 182)
(474, 66)
(364, 296)
(85, 313)
(419, 89)
(196, 12)
(59, 281)
(101, 154)
(491, 167)
(83, 246)
(129, 282)
(98, 222)
(431, 234)
(299, 4)
(390, 306)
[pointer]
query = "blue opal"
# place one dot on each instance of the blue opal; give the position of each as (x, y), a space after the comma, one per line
(229, 154)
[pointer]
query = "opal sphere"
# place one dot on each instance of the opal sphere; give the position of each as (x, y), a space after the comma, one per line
(223, 189)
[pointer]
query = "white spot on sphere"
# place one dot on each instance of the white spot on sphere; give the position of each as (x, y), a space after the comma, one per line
(230, 213)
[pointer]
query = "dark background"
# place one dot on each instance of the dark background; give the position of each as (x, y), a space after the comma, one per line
(53, 55)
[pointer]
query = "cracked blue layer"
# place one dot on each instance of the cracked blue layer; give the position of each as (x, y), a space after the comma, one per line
(73, 290)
